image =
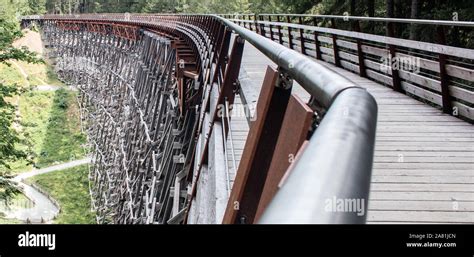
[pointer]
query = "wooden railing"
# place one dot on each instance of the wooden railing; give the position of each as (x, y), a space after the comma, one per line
(434, 73)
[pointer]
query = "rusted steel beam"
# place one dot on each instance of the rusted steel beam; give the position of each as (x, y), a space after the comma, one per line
(226, 92)
(229, 86)
(260, 145)
(294, 131)
(222, 55)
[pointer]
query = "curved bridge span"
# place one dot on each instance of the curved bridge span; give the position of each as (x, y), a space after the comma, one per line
(198, 119)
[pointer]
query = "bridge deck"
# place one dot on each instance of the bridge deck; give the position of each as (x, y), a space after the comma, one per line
(424, 159)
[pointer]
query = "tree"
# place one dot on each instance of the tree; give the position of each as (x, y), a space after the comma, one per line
(353, 11)
(390, 12)
(371, 13)
(37, 6)
(9, 137)
(414, 15)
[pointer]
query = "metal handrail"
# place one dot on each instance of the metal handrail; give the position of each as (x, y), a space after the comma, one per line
(338, 159)
(315, 78)
(336, 164)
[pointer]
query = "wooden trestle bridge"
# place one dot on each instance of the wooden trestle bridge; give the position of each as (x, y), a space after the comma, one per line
(269, 118)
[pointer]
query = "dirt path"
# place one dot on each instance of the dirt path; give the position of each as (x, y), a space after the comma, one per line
(22, 71)
(44, 209)
(67, 165)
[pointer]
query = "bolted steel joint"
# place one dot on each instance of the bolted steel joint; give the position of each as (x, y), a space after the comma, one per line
(284, 80)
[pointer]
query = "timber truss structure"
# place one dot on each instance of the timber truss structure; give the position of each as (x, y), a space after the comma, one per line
(141, 98)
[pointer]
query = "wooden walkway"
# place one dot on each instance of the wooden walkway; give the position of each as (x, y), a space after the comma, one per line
(424, 159)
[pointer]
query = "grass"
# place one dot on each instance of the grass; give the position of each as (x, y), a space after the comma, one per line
(34, 111)
(40, 74)
(63, 140)
(11, 75)
(51, 122)
(70, 188)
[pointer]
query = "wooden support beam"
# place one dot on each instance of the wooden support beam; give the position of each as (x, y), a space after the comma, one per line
(302, 40)
(191, 74)
(396, 82)
(446, 98)
(262, 26)
(270, 27)
(260, 144)
(316, 42)
(360, 53)
(293, 133)
(255, 22)
(337, 60)
(280, 36)
(290, 35)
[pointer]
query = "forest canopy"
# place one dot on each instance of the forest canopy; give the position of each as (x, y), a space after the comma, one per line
(427, 9)
(414, 9)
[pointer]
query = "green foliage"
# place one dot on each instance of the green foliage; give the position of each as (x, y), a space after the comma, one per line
(63, 139)
(51, 122)
(9, 137)
(9, 31)
(10, 75)
(8, 189)
(61, 99)
(70, 188)
(36, 6)
(35, 111)
(193, 6)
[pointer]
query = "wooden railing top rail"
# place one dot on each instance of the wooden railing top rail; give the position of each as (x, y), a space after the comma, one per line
(425, 46)
(363, 18)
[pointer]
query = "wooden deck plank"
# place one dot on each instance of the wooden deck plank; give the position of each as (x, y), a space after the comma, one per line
(424, 179)
(421, 216)
(416, 187)
(447, 206)
(426, 196)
